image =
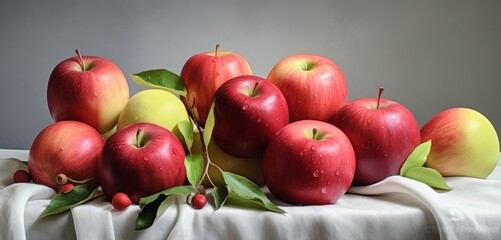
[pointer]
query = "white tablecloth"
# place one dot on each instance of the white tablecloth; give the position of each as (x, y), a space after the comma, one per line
(396, 208)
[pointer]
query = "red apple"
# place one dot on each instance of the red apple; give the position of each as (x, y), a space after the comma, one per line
(383, 134)
(464, 143)
(68, 147)
(309, 162)
(314, 86)
(141, 159)
(248, 111)
(204, 73)
(89, 89)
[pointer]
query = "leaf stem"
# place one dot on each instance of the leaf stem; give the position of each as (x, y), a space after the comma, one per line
(205, 153)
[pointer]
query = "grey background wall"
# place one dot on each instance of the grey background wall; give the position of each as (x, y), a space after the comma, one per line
(429, 55)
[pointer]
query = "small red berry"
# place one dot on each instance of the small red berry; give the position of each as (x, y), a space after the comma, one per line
(21, 176)
(198, 201)
(66, 188)
(120, 201)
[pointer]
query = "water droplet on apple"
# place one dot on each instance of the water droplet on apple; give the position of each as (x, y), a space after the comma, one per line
(174, 151)
(337, 173)
(316, 173)
(259, 120)
(324, 190)
(369, 121)
(161, 169)
(245, 107)
(146, 158)
(313, 148)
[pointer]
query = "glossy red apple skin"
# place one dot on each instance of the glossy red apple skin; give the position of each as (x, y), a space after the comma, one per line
(301, 170)
(204, 73)
(382, 138)
(68, 147)
(248, 111)
(94, 96)
(154, 166)
(314, 86)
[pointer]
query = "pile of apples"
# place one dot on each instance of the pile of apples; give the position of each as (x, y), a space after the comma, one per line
(293, 132)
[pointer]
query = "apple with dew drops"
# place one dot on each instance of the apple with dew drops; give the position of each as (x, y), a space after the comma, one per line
(383, 134)
(141, 159)
(309, 162)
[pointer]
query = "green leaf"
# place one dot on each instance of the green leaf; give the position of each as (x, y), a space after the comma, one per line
(417, 158)
(248, 190)
(194, 164)
(184, 131)
(155, 205)
(149, 213)
(429, 176)
(162, 79)
(178, 190)
(220, 194)
(65, 201)
(209, 124)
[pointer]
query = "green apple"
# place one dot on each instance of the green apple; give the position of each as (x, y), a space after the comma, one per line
(153, 106)
(463, 143)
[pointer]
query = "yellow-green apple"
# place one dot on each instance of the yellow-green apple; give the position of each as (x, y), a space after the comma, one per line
(251, 168)
(153, 106)
(309, 162)
(69, 147)
(248, 111)
(314, 86)
(204, 73)
(383, 134)
(139, 160)
(463, 143)
(89, 89)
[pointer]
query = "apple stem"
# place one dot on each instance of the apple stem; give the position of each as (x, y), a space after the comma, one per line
(81, 59)
(139, 138)
(62, 179)
(315, 132)
(254, 93)
(217, 50)
(380, 94)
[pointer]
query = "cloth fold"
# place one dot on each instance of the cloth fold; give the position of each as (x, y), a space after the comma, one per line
(461, 213)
